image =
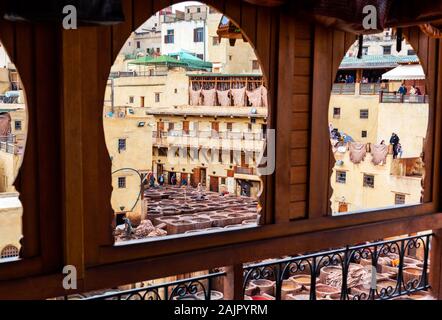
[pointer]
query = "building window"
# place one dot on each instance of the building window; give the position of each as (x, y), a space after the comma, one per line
(230, 57)
(363, 113)
(9, 252)
(198, 35)
(131, 99)
(17, 125)
(121, 145)
(387, 50)
(198, 10)
(215, 41)
(157, 97)
(200, 56)
(399, 198)
(121, 182)
(364, 133)
(229, 126)
(169, 37)
(162, 152)
(368, 180)
(138, 45)
(336, 113)
(341, 176)
(364, 51)
(171, 126)
(223, 180)
(255, 65)
(411, 52)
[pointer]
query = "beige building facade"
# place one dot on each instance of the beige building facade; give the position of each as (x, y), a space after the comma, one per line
(129, 143)
(12, 145)
(164, 135)
(369, 120)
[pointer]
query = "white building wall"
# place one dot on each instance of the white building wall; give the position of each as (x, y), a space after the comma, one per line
(4, 59)
(183, 37)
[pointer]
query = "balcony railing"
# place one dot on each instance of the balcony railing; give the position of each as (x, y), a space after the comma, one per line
(242, 170)
(369, 88)
(226, 135)
(380, 270)
(196, 288)
(132, 74)
(374, 271)
(344, 88)
(8, 144)
(394, 97)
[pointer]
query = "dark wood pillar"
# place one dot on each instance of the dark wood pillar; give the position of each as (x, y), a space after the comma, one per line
(233, 283)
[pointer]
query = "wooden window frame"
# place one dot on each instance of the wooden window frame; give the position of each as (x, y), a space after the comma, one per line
(84, 172)
(39, 179)
(101, 249)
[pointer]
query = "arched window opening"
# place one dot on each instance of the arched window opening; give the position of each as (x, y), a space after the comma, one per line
(378, 116)
(13, 130)
(185, 120)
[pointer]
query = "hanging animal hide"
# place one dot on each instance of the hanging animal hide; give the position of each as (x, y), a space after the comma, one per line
(195, 97)
(223, 97)
(97, 12)
(239, 97)
(5, 125)
(209, 97)
(265, 101)
(255, 97)
(379, 154)
(357, 152)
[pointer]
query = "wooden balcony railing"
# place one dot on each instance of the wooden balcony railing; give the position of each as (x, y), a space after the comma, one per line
(344, 88)
(394, 97)
(369, 88)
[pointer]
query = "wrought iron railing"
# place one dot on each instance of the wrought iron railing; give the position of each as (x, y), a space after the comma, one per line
(380, 270)
(374, 271)
(196, 288)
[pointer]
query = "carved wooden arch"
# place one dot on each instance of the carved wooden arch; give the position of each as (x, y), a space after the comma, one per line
(96, 49)
(38, 182)
(244, 15)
